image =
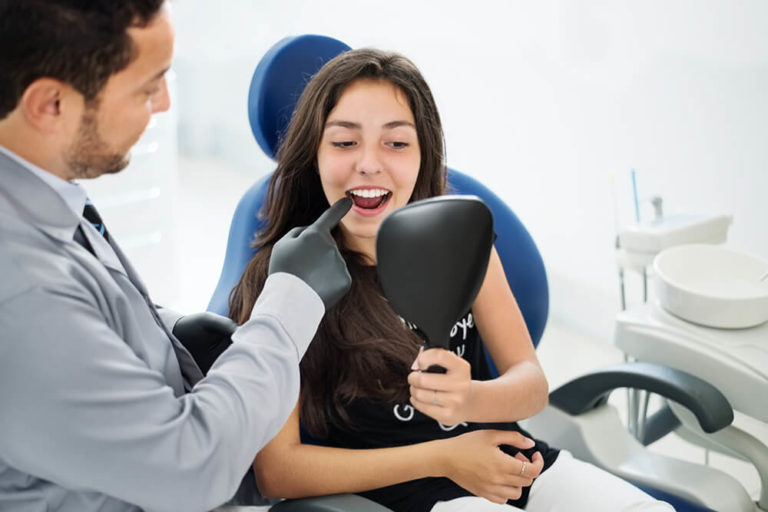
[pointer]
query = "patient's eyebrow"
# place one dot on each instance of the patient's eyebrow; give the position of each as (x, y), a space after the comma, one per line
(396, 124)
(343, 124)
(356, 126)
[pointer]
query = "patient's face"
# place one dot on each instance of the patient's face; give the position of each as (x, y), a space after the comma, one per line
(370, 152)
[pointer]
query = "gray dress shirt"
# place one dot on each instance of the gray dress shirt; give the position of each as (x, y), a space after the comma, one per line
(100, 409)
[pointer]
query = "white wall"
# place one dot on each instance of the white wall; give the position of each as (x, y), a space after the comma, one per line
(543, 100)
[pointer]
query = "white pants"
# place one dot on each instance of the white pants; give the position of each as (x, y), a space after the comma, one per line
(569, 485)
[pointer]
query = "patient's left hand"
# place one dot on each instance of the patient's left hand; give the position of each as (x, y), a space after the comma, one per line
(445, 397)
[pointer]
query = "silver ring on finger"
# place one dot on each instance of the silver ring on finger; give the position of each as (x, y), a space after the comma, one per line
(522, 468)
(434, 400)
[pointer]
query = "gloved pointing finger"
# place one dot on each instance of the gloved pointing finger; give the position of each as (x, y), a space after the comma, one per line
(311, 255)
(331, 217)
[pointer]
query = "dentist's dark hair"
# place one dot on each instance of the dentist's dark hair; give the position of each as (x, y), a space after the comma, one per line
(362, 348)
(79, 42)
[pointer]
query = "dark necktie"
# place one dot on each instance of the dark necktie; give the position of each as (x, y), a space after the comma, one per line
(189, 368)
(92, 215)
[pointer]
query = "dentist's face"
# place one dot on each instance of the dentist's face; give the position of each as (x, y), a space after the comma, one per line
(110, 127)
(369, 151)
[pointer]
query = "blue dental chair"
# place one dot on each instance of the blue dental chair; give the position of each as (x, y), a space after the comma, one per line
(575, 409)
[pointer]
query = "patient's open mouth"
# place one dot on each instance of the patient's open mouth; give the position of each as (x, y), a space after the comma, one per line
(369, 198)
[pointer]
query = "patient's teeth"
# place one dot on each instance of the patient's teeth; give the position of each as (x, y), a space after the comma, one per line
(368, 192)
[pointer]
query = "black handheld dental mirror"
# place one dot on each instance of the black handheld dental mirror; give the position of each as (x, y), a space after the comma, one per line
(432, 256)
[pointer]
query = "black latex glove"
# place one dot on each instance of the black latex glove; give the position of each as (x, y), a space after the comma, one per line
(205, 335)
(310, 253)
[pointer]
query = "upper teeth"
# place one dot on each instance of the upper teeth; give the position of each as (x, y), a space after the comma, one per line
(369, 192)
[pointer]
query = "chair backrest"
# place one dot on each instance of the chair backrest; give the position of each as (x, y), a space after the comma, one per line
(277, 84)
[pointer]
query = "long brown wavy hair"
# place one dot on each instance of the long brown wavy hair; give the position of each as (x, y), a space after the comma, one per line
(362, 348)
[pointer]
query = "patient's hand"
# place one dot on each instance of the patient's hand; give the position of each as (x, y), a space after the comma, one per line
(447, 396)
(476, 463)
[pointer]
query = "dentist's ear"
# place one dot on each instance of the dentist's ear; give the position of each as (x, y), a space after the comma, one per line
(41, 104)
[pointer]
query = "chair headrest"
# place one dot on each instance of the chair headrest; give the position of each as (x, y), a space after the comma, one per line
(279, 80)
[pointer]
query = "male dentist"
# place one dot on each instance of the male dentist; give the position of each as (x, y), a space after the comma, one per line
(101, 407)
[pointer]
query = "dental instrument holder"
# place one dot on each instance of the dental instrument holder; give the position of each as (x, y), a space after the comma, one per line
(432, 256)
(636, 247)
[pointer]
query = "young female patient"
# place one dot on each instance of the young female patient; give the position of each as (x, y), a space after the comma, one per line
(367, 127)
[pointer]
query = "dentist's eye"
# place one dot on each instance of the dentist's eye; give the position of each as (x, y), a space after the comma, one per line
(148, 94)
(152, 89)
(344, 144)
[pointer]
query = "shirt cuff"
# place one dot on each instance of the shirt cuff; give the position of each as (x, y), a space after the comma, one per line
(294, 304)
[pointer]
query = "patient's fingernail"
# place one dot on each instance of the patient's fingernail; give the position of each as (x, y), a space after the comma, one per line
(529, 443)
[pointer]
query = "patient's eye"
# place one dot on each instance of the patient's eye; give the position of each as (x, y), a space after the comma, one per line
(344, 144)
(398, 144)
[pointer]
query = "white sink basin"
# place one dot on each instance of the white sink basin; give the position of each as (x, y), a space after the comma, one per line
(712, 286)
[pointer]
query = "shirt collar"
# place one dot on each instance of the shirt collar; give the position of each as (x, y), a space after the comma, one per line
(31, 198)
(72, 193)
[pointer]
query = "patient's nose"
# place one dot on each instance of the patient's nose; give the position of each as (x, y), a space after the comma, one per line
(369, 162)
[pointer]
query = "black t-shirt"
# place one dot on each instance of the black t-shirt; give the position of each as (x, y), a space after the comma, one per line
(383, 425)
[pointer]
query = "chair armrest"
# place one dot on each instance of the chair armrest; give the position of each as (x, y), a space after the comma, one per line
(333, 503)
(707, 403)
